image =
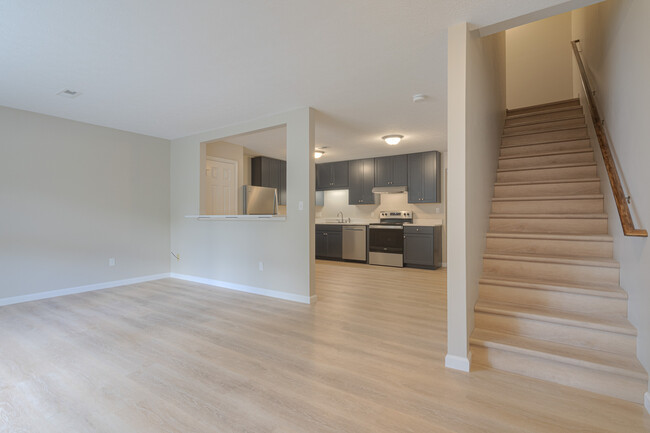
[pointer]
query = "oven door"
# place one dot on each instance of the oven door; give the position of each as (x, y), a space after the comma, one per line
(386, 239)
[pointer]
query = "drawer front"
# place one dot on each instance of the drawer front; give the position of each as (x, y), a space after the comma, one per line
(422, 230)
(328, 228)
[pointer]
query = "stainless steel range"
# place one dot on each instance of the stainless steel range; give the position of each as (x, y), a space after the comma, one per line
(386, 239)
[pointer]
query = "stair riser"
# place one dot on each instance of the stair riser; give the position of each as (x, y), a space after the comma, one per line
(559, 333)
(551, 247)
(545, 225)
(528, 110)
(530, 175)
(573, 273)
(544, 117)
(543, 137)
(588, 379)
(538, 161)
(541, 127)
(548, 206)
(558, 146)
(564, 301)
(547, 189)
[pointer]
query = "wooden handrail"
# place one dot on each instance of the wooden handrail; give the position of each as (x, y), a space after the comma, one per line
(612, 172)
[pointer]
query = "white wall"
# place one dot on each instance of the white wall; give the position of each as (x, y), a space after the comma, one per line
(229, 251)
(538, 62)
(73, 195)
(614, 37)
(476, 110)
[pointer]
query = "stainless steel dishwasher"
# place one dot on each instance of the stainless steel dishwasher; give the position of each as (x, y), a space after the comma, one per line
(354, 243)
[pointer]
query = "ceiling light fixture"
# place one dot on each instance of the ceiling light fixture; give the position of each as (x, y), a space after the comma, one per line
(392, 139)
(318, 154)
(419, 97)
(67, 93)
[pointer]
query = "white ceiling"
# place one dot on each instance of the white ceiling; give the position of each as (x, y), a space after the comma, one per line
(172, 68)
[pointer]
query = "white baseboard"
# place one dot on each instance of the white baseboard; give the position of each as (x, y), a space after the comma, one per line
(458, 362)
(248, 289)
(647, 401)
(79, 289)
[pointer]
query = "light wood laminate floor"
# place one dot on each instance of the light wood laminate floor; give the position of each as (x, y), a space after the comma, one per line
(172, 356)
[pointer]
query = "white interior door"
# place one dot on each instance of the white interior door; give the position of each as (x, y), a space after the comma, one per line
(222, 186)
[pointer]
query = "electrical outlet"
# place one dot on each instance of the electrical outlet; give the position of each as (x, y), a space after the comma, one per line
(261, 266)
(111, 261)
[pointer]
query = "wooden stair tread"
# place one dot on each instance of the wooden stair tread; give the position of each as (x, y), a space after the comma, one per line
(579, 356)
(543, 112)
(548, 105)
(539, 122)
(614, 324)
(551, 197)
(556, 152)
(605, 290)
(547, 182)
(553, 236)
(544, 142)
(601, 216)
(551, 166)
(556, 129)
(567, 260)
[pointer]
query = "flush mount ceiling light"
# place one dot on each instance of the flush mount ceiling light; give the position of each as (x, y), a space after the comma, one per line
(419, 97)
(67, 93)
(392, 139)
(318, 154)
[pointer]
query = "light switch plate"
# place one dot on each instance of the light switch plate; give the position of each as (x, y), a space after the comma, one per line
(301, 206)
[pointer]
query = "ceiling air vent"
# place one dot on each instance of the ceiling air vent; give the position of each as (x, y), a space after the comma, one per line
(67, 93)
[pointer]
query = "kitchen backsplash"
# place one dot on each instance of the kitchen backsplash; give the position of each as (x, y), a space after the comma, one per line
(337, 200)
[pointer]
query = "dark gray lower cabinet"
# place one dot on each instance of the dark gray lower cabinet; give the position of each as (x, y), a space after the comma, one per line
(329, 242)
(423, 246)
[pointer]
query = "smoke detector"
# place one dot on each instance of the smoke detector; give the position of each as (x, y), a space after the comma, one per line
(419, 97)
(67, 93)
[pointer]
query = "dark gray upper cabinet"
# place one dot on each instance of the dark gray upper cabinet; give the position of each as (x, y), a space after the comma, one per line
(271, 173)
(391, 171)
(332, 175)
(424, 177)
(362, 180)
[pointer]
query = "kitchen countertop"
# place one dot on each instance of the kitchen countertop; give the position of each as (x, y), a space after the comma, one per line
(416, 222)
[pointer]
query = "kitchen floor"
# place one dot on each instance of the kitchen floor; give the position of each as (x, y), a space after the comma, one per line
(170, 355)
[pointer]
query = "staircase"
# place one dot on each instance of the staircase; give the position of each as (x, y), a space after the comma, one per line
(550, 305)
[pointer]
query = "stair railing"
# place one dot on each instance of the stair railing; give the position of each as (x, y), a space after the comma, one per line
(612, 172)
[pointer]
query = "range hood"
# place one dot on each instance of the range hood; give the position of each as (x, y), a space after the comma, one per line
(389, 189)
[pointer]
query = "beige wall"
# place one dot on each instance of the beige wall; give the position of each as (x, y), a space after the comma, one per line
(538, 62)
(614, 39)
(229, 251)
(74, 195)
(476, 110)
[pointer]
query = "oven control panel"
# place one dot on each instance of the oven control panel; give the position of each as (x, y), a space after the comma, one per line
(401, 214)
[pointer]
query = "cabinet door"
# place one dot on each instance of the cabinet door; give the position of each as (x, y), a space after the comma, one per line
(415, 177)
(335, 245)
(383, 171)
(340, 174)
(431, 177)
(321, 244)
(368, 181)
(282, 183)
(322, 176)
(356, 189)
(418, 249)
(400, 170)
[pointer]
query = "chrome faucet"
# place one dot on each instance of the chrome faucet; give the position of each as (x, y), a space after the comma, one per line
(340, 218)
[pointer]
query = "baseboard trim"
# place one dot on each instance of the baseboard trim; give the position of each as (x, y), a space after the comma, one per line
(647, 401)
(458, 362)
(79, 289)
(248, 289)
